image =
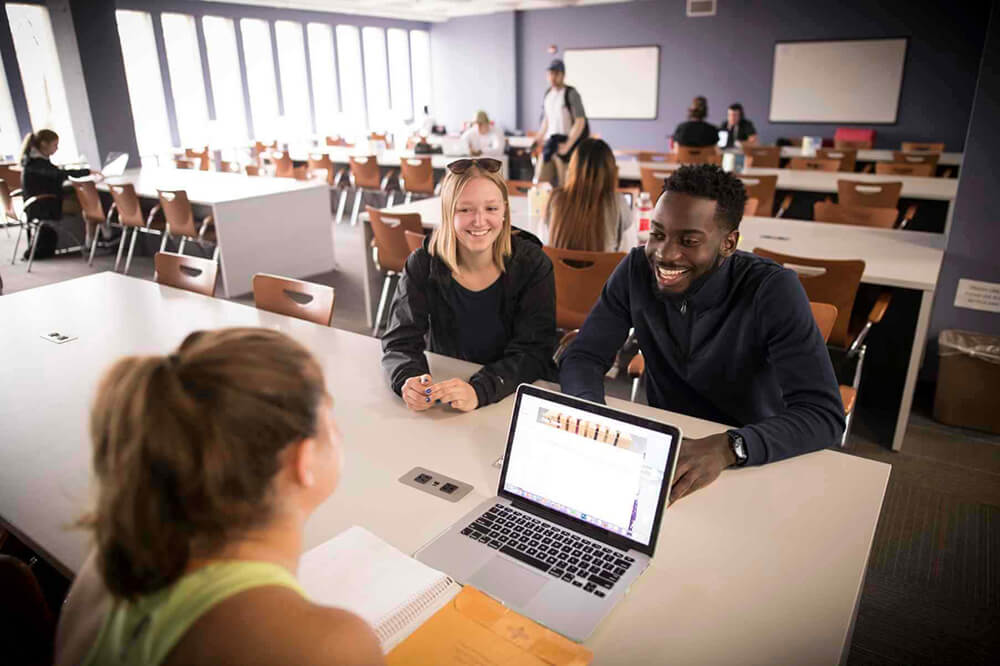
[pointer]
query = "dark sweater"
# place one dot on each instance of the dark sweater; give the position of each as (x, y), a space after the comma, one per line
(423, 317)
(696, 134)
(40, 176)
(740, 348)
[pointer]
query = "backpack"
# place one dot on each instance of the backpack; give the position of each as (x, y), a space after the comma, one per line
(572, 119)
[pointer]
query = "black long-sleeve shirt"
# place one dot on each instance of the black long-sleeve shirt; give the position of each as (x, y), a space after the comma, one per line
(40, 176)
(740, 348)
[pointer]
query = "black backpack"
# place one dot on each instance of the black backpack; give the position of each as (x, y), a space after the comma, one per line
(572, 119)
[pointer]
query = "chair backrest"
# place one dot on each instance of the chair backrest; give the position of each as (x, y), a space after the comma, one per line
(200, 155)
(825, 316)
(178, 213)
(228, 166)
(127, 204)
(364, 169)
(322, 162)
(295, 298)
(853, 137)
(873, 195)
(390, 238)
(921, 147)
(651, 180)
(384, 138)
(186, 272)
(416, 175)
(833, 281)
(251, 170)
(813, 164)
(767, 157)
(761, 188)
(652, 156)
(902, 169)
(750, 207)
(861, 216)
(902, 157)
(89, 199)
(7, 202)
(580, 277)
(183, 163)
(337, 141)
(414, 240)
(283, 167)
(698, 155)
(848, 156)
(518, 188)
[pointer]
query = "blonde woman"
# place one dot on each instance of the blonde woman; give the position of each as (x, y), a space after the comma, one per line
(209, 461)
(478, 291)
(589, 213)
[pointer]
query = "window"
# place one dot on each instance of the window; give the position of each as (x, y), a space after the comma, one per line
(326, 101)
(352, 84)
(230, 127)
(145, 84)
(420, 55)
(259, 58)
(399, 75)
(41, 74)
(294, 80)
(187, 80)
(376, 78)
(10, 137)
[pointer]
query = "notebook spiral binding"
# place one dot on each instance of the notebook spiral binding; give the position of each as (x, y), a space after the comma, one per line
(409, 611)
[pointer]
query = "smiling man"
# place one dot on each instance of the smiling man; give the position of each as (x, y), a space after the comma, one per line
(727, 336)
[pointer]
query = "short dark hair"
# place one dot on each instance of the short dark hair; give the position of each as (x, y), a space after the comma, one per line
(711, 182)
(736, 106)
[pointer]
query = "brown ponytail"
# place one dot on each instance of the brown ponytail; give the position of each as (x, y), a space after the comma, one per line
(698, 109)
(34, 140)
(186, 447)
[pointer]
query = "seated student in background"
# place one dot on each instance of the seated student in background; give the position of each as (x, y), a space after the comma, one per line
(589, 213)
(475, 291)
(40, 176)
(727, 336)
(484, 139)
(695, 132)
(209, 461)
(738, 128)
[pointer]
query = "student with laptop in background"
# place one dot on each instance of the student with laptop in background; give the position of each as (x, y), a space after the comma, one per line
(483, 138)
(737, 128)
(476, 291)
(564, 124)
(727, 336)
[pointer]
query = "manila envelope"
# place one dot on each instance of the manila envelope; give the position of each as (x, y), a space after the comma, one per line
(475, 630)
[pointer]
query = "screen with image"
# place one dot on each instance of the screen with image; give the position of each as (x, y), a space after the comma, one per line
(597, 469)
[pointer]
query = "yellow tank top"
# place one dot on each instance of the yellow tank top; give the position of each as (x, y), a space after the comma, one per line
(146, 630)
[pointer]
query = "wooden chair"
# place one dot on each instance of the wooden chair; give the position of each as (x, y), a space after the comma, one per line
(30, 223)
(750, 207)
(92, 211)
(825, 316)
(761, 188)
(416, 176)
(848, 157)
(900, 169)
(519, 188)
(183, 163)
(390, 249)
(813, 164)
(364, 177)
(295, 298)
(8, 212)
(918, 147)
(228, 166)
(384, 138)
(414, 240)
(318, 162)
(652, 156)
(873, 195)
(766, 157)
(698, 155)
(338, 141)
(186, 272)
(201, 157)
(129, 212)
(651, 180)
(251, 169)
(180, 222)
(283, 166)
(862, 216)
(901, 157)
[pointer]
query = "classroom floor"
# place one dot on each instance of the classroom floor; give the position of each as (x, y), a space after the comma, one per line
(932, 590)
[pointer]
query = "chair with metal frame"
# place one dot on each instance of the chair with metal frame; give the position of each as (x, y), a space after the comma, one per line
(283, 166)
(9, 212)
(862, 193)
(180, 221)
(814, 164)
(764, 157)
(186, 272)
(904, 169)
(901, 157)
(862, 216)
(919, 147)
(202, 157)
(92, 211)
(848, 157)
(30, 223)
(127, 208)
(390, 250)
(651, 180)
(416, 176)
(414, 240)
(365, 178)
(294, 298)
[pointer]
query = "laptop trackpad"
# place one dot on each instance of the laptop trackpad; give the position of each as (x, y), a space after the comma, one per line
(508, 581)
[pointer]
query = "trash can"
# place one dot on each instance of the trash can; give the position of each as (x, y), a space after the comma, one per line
(968, 388)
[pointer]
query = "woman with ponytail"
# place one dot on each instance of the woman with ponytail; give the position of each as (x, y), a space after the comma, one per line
(696, 133)
(208, 462)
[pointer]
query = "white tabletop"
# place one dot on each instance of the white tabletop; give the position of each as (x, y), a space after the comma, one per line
(208, 187)
(870, 155)
(774, 556)
(391, 158)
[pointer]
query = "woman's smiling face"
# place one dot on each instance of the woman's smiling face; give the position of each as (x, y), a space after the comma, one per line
(479, 215)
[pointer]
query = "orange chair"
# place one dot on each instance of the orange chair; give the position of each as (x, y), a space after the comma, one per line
(414, 240)
(183, 163)
(180, 222)
(873, 195)
(519, 188)
(251, 170)
(390, 249)
(848, 157)
(186, 272)
(862, 216)
(651, 180)
(416, 176)
(761, 188)
(129, 212)
(34, 224)
(698, 155)
(92, 210)
(283, 166)
(384, 138)
(901, 157)
(200, 157)
(364, 177)
(750, 207)
(917, 147)
(765, 157)
(813, 164)
(901, 169)
(294, 298)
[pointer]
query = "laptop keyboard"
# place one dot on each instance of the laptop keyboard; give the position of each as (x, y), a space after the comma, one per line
(562, 554)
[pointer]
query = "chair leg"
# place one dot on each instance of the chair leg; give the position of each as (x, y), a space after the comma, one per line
(17, 241)
(635, 389)
(390, 198)
(848, 420)
(163, 244)
(358, 198)
(121, 245)
(381, 305)
(217, 257)
(34, 245)
(340, 206)
(131, 251)
(408, 198)
(180, 248)
(93, 243)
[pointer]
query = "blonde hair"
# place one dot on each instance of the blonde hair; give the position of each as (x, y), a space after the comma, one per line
(444, 241)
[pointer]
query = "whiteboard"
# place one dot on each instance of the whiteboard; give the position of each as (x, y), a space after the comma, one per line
(850, 81)
(615, 83)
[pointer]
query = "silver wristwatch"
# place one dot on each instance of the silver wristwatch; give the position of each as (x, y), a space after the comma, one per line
(739, 447)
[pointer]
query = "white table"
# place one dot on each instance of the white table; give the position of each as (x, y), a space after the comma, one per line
(264, 225)
(773, 557)
(391, 158)
(893, 258)
(871, 155)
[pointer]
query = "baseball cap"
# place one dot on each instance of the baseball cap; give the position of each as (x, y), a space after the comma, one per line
(557, 65)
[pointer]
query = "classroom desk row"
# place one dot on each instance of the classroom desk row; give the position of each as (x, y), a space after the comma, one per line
(773, 555)
(893, 258)
(387, 158)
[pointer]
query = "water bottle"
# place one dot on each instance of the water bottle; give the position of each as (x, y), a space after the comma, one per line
(644, 213)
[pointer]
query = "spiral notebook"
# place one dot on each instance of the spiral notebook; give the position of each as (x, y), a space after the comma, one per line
(390, 590)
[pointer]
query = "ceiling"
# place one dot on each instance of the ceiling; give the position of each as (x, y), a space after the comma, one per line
(418, 10)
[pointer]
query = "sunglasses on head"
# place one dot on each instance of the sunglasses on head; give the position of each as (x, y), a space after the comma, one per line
(485, 163)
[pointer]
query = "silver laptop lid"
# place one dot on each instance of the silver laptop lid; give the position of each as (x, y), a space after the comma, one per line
(114, 165)
(606, 471)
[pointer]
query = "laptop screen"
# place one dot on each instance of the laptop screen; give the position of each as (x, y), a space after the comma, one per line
(592, 463)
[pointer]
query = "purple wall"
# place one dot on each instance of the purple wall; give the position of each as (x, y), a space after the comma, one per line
(975, 231)
(729, 58)
(473, 64)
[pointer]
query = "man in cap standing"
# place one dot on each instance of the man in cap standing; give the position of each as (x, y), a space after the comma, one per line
(564, 124)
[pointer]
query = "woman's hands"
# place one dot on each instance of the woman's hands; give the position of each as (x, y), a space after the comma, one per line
(421, 393)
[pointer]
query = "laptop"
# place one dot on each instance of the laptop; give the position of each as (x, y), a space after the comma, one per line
(114, 165)
(577, 512)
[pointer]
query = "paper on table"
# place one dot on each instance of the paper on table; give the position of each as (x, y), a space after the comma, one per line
(390, 590)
